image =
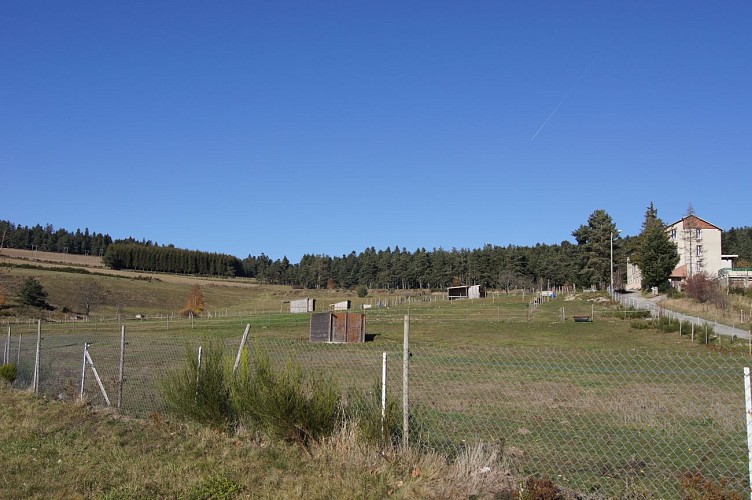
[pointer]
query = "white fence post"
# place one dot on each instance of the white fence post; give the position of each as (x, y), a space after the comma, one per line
(748, 401)
(240, 349)
(198, 369)
(405, 379)
(96, 377)
(35, 382)
(121, 379)
(83, 372)
(383, 391)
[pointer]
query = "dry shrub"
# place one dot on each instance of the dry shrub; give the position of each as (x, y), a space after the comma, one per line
(706, 289)
(481, 471)
(541, 489)
(696, 486)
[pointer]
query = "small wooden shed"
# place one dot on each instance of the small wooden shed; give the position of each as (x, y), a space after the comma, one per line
(302, 306)
(332, 327)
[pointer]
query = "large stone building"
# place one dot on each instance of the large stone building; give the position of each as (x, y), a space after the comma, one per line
(699, 245)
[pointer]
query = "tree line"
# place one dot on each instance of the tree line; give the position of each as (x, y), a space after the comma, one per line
(168, 259)
(738, 241)
(584, 263)
(48, 239)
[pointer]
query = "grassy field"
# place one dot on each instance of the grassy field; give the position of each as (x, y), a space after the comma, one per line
(602, 405)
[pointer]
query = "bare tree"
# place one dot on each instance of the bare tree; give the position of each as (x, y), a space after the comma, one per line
(688, 233)
(194, 306)
(90, 295)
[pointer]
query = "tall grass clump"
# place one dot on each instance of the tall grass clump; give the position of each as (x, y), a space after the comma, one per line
(364, 407)
(285, 403)
(200, 393)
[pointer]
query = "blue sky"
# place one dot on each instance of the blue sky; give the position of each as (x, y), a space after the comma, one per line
(326, 127)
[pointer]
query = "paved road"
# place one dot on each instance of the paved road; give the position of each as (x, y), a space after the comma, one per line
(637, 301)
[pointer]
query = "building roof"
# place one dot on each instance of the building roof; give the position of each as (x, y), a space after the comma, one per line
(680, 272)
(694, 222)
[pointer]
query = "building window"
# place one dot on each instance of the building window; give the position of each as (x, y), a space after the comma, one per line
(673, 234)
(698, 233)
(699, 250)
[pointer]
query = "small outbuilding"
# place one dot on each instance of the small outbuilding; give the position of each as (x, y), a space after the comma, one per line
(466, 292)
(302, 306)
(342, 306)
(339, 327)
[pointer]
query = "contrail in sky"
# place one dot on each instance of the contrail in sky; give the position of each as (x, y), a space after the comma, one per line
(579, 78)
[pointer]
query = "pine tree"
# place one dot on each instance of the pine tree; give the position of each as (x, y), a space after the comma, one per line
(657, 255)
(594, 241)
(33, 293)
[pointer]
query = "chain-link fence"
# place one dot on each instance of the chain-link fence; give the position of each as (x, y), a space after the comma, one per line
(603, 423)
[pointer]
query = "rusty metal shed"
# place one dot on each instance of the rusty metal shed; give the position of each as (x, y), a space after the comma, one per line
(334, 327)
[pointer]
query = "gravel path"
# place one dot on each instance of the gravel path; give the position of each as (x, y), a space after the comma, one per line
(637, 301)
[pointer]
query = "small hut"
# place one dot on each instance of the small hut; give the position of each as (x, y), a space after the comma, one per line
(302, 306)
(341, 306)
(466, 292)
(338, 327)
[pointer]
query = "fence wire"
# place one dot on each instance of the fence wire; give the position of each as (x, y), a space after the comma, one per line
(602, 423)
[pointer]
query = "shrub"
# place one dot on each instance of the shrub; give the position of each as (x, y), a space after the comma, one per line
(8, 372)
(362, 291)
(33, 293)
(216, 487)
(540, 489)
(696, 486)
(200, 393)
(703, 288)
(640, 324)
(365, 409)
(744, 292)
(285, 403)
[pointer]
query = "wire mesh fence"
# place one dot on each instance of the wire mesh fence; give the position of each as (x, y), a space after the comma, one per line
(599, 422)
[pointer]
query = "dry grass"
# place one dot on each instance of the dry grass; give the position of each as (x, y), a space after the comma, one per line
(60, 450)
(730, 315)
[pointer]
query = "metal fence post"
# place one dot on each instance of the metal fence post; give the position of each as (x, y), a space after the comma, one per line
(35, 382)
(83, 372)
(383, 391)
(405, 380)
(88, 359)
(122, 367)
(748, 404)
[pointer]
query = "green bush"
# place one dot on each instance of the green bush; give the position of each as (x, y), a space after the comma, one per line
(216, 487)
(362, 291)
(285, 403)
(8, 372)
(639, 324)
(200, 393)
